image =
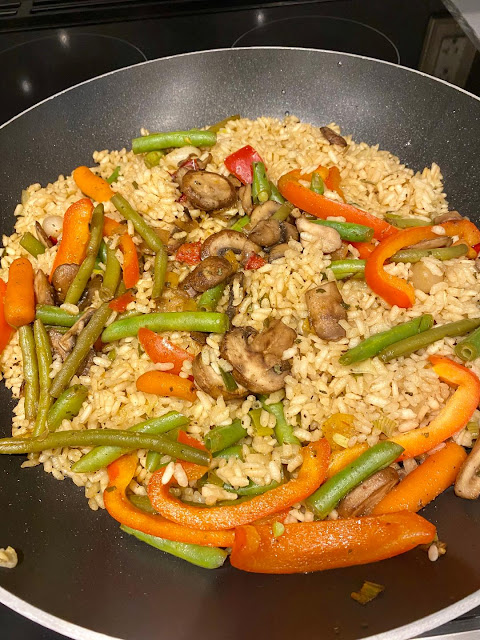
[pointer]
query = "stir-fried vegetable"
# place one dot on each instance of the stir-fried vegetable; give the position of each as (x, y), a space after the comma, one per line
(347, 268)
(230, 452)
(326, 498)
(209, 299)
(113, 177)
(160, 349)
(225, 436)
(215, 128)
(469, 348)
(103, 456)
(151, 238)
(75, 234)
(91, 185)
(163, 383)
(67, 406)
(240, 163)
(30, 371)
(111, 276)
(347, 230)
(405, 223)
(6, 330)
(260, 184)
(157, 141)
(159, 272)
(169, 321)
(368, 592)
(152, 159)
(275, 194)
(131, 271)
(121, 303)
(31, 244)
(283, 430)
(44, 360)
(316, 183)
(444, 253)
(19, 302)
(56, 317)
(373, 345)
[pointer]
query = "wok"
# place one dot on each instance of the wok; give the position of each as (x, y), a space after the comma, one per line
(77, 570)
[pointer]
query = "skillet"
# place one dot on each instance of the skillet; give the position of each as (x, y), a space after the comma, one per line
(78, 573)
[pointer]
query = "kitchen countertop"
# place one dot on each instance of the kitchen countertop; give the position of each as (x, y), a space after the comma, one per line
(467, 14)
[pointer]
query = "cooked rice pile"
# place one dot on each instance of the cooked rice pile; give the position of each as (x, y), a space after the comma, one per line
(405, 390)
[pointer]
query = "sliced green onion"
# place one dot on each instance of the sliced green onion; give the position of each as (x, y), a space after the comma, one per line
(316, 184)
(278, 529)
(114, 176)
(368, 592)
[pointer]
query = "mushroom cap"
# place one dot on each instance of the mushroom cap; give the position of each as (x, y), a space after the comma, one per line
(227, 240)
(206, 275)
(208, 191)
(212, 383)
(467, 484)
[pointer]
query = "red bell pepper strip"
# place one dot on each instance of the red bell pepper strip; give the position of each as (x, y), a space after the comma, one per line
(193, 471)
(159, 349)
(365, 249)
(316, 546)
(254, 262)
(121, 473)
(322, 207)
(131, 271)
(75, 234)
(468, 234)
(6, 330)
(476, 248)
(121, 303)
(312, 474)
(189, 253)
(392, 289)
(240, 163)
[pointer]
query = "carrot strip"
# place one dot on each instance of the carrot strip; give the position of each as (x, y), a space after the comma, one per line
(159, 349)
(131, 271)
(75, 234)
(316, 546)
(19, 294)
(312, 474)
(162, 383)
(426, 482)
(121, 473)
(6, 330)
(92, 185)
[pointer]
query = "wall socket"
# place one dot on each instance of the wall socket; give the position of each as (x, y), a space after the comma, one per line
(447, 52)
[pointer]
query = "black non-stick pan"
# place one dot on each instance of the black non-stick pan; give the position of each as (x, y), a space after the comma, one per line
(77, 571)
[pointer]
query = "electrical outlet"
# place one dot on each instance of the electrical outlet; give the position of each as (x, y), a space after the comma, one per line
(447, 52)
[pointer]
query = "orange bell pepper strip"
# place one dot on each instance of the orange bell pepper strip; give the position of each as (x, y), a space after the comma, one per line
(468, 234)
(166, 384)
(332, 181)
(6, 330)
(329, 544)
(311, 475)
(393, 290)
(120, 474)
(92, 185)
(193, 471)
(159, 349)
(426, 482)
(19, 302)
(111, 226)
(121, 303)
(322, 207)
(365, 249)
(75, 234)
(131, 271)
(454, 416)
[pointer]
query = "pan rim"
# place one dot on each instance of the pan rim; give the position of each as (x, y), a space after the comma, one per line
(77, 632)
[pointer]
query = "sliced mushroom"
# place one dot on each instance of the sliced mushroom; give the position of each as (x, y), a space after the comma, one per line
(467, 484)
(234, 181)
(94, 285)
(423, 278)
(273, 342)
(245, 195)
(208, 191)
(212, 383)
(44, 292)
(446, 217)
(434, 243)
(206, 275)
(277, 252)
(59, 346)
(340, 254)
(328, 239)
(289, 232)
(227, 240)
(199, 337)
(62, 278)
(332, 137)
(42, 236)
(266, 233)
(362, 500)
(84, 367)
(249, 367)
(263, 212)
(326, 308)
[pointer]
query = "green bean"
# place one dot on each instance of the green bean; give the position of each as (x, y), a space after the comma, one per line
(105, 437)
(215, 128)
(283, 212)
(444, 253)
(77, 287)
(468, 349)
(347, 230)
(169, 321)
(255, 415)
(228, 380)
(113, 177)
(152, 240)
(326, 498)
(111, 277)
(236, 451)
(220, 438)
(67, 406)
(152, 159)
(316, 184)
(56, 317)
(283, 430)
(405, 223)
(346, 268)
(156, 141)
(159, 272)
(260, 185)
(30, 371)
(102, 456)
(422, 340)
(142, 502)
(60, 330)
(252, 489)
(209, 299)
(153, 461)
(85, 341)
(31, 244)
(240, 223)
(275, 194)
(374, 344)
(44, 359)
(102, 253)
(205, 557)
